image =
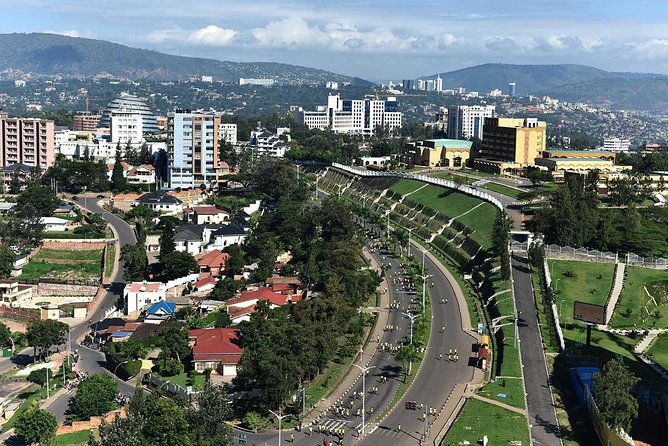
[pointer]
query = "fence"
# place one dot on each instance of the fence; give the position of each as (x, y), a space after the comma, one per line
(553, 307)
(412, 176)
(606, 435)
(568, 253)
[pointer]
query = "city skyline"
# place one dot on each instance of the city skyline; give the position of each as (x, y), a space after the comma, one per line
(355, 38)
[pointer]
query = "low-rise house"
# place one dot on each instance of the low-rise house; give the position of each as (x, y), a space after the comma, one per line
(207, 306)
(110, 169)
(205, 214)
(189, 238)
(159, 312)
(160, 201)
(216, 349)
(139, 295)
(213, 262)
(66, 210)
(227, 235)
(205, 284)
(11, 291)
(54, 224)
(18, 170)
(143, 174)
(240, 308)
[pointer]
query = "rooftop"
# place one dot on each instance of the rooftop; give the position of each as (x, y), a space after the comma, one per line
(144, 287)
(218, 344)
(158, 197)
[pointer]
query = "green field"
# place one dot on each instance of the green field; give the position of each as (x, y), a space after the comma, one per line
(503, 189)
(591, 282)
(74, 439)
(197, 381)
(479, 418)
(404, 187)
(448, 201)
(111, 256)
(658, 351)
(642, 307)
(482, 220)
(82, 271)
(88, 254)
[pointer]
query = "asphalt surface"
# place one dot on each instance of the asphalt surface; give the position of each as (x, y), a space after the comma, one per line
(540, 404)
(93, 361)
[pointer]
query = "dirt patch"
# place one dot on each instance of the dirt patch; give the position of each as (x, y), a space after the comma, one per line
(73, 246)
(14, 325)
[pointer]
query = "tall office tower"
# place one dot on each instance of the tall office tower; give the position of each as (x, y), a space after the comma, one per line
(466, 121)
(408, 84)
(26, 140)
(130, 103)
(439, 83)
(511, 89)
(85, 122)
(192, 148)
(515, 140)
(126, 127)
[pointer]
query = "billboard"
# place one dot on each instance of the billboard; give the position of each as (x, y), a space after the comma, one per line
(585, 312)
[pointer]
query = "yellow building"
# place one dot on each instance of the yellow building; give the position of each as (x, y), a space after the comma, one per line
(451, 153)
(512, 142)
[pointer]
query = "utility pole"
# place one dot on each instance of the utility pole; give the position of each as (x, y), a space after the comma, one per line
(364, 371)
(388, 227)
(426, 423)
(47, 382)
(412, 317)
(424, 278)
(280, 419)
(410, 230)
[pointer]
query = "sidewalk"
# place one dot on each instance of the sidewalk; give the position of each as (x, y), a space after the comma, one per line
(370, 347)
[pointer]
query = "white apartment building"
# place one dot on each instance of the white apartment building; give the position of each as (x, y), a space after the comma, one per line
(267, 143)
(260, 82)
(126, 127)
(228, 133)
(466, 121)
(616, 145)
(358, 116)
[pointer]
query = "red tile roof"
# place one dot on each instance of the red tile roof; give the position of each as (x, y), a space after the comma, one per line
(205, 281)
(279, 279)
(213, 259)
(216, 344)
(207, 210)
(148, 287)
(263, 293)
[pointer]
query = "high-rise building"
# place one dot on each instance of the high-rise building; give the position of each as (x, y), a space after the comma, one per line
(85, 122)
(126, 127)
(130, 103)
(408, 84)
(439, 83)
(616, 145)
(513, 140)
(466, 121)
(192, 148)
(511, 89)
(228, 133)
(359, 116)
(27, 141)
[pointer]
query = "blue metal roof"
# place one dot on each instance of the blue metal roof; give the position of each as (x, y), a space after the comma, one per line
(161, 306)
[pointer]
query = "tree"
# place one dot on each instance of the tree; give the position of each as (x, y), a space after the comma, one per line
(208, 420)
(7, 258)
(136, 262)
(502, 226)
(167, 226)
(39, 376)
(178, 264)
(225, 289)
(36, 200)
(237, 259)
(5, 334)
(42, 335)
(175, 340)
(36, 426)
(95, 396)
(613, 394)
(118, 180)
(408, 355)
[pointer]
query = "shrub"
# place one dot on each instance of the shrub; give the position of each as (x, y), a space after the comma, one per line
(251, 420)
(39, 376)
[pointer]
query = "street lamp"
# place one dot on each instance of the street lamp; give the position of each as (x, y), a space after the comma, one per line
(118, 365)
(410, 230)
(412, 317)
(280, 418)
(423, 252)
(364, 371)
(424, 278)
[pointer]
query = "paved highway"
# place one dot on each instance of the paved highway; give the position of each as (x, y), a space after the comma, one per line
(92, 361)
(540, 405)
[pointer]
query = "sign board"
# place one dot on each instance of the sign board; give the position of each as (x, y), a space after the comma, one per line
(591, 313)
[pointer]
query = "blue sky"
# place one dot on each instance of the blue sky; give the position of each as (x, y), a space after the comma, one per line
(374, 39)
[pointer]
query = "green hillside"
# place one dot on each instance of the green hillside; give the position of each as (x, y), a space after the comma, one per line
(53, 54)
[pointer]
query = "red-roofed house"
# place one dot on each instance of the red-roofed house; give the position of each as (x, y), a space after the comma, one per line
(205, 214)
(205, 284)
(143, 174)
(110, 169)
(248, 300)
(284, 285)
(213, 262)
(216, 349)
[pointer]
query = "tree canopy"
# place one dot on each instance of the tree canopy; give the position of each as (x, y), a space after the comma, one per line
(95, 396)
(613, 394)
(44, 334)
(36, 425)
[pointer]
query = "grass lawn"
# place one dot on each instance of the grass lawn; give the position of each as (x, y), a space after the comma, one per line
(546, 187)
(503, 189)
(183, 380)
(453, 177)
(479, 418)
(481, 219)
(404, 187)
(635, 298)
(82, 271)
(73, 439)
(658, 351)
(448, 201)
(88, 254)
(591, 283)
(111, 256)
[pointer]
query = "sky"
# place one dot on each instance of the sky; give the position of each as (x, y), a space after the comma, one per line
(372, 39)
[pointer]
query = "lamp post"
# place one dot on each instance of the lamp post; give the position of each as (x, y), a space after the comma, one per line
(412, 317)
(364, 371)
(388, 227)
(423, 253)
(118, 365)
(280, 419)
(424, 278)
(410, 230)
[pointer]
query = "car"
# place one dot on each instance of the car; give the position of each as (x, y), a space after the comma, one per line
(100, 196)
(75, 198)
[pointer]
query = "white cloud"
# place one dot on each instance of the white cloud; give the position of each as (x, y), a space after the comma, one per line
(558, 43)
(650, 49)
(211, 35)
(501, 44)
(68, 33)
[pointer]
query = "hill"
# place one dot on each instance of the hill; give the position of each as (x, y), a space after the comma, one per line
(53, 54)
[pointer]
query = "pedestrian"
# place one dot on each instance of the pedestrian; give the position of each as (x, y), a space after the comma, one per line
(398, 427)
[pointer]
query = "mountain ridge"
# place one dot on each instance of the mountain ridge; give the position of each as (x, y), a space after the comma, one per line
(46, 54)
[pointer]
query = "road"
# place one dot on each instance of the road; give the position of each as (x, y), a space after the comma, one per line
(540, 404)
(433, 383)
(93, 361)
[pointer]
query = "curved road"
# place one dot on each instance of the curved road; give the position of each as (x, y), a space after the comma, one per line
(93, 361)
